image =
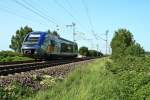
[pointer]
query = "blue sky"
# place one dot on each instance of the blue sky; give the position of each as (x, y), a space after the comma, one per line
(104, 14)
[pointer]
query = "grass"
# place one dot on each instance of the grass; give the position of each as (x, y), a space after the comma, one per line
(88, 82)
(15, 58)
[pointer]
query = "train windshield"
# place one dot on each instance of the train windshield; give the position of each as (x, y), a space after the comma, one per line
(32, 38)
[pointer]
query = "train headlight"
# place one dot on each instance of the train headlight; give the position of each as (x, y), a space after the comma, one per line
(35, 52)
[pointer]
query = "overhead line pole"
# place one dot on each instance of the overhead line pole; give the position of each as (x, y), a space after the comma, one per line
(73, 28)
(106, 41)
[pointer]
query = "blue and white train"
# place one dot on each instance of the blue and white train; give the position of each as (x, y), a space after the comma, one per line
(45, 45)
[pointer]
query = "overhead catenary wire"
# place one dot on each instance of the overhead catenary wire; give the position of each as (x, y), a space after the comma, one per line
(69, 4)
(33, 11)
(7, 10)
(65, 9)
(69, 13)
(89, 18)
(43, 12)
(34, 8)
(88, 15)
(90, 22)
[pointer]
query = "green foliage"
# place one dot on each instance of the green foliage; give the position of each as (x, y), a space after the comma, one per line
(48, 81)
(7, 56)
(87, 82)
(83, 51)
(8, 53)
(16, 40)
(94, 53)
(121, 40)
(135, 50)
(15, 91)
(130, 67)
(123, 44)
(53, 33)
(132, 74)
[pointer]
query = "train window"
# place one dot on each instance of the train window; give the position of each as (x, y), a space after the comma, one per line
(63, 47)
(66, 47)
(32, 38)
(76, 47)
(70, 48)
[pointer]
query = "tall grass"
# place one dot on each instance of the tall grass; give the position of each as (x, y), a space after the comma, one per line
(88, 82)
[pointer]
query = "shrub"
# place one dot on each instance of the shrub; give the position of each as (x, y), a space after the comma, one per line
(15, 91)
(83, 51)
(135, 50)
(4, 54)
(7, 56)
(132, 74)
(123, 45)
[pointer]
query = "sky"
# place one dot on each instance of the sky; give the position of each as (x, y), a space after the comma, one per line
(92, 19)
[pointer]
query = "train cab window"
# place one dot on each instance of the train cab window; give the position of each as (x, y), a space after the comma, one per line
(32, 38)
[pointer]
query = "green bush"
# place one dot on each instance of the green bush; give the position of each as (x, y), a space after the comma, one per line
(15, 91)
(15, 58)
(8, 56)
(94, 53)
(4, 54)
(83, 51)
(123, 45)
(132, 74)
(135, 50)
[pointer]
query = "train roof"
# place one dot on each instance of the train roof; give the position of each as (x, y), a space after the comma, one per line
(40, 32)
(66, 40)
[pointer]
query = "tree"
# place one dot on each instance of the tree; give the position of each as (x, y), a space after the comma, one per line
(17, 39)
(83, 51)
(135, 50)
(92, 53)
(123, 44)
(121, 40)
(53, 33)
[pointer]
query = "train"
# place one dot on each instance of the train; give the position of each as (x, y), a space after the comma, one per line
(43, 45)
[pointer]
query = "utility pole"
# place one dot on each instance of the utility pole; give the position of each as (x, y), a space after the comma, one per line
(73, 27)
(106, 40)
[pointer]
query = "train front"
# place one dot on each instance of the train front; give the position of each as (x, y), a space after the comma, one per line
(31, 45)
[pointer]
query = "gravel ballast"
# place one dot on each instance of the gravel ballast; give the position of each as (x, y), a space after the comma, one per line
(26, 78)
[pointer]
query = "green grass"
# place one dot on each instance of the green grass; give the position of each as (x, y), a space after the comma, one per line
(88, 82)
(15, 58)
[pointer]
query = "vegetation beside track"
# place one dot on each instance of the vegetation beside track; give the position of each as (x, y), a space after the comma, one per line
(87, 82)
(104, 80)
(14, 87)
(10, 56)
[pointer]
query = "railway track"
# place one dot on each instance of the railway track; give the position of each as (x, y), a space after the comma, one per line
(16, 62)
(17, 68)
